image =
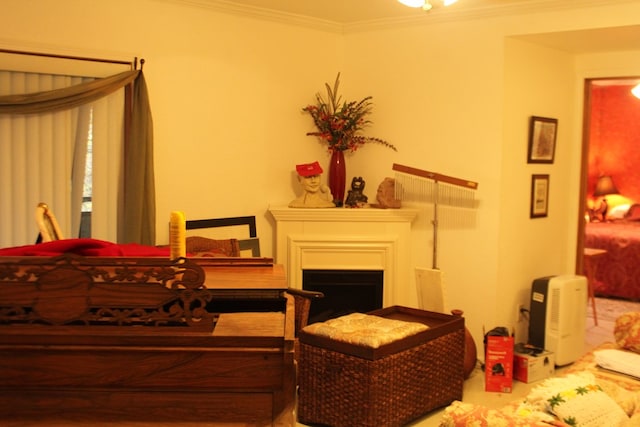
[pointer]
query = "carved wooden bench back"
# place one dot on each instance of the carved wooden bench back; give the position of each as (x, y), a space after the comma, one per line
(75, 290)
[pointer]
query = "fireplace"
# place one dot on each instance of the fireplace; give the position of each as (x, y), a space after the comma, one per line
(345, 291)
(348, 240)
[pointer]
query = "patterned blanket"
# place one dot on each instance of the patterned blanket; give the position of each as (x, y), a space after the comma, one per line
(562, 401)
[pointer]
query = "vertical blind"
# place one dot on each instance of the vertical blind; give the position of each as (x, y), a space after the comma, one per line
(108, 137)
(42, 160)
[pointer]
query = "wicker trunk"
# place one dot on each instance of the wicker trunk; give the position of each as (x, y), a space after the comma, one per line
(345, 385)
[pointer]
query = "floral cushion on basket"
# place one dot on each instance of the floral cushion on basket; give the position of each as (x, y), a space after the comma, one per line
(627, 331)
(365, 330)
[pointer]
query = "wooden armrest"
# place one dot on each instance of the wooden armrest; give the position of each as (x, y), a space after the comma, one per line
(304, 293)
(302, 300)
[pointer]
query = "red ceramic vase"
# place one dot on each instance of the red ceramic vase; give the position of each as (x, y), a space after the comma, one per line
(337, 177)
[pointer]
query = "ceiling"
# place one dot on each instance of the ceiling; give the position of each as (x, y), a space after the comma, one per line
(357, 11)
(353, 13)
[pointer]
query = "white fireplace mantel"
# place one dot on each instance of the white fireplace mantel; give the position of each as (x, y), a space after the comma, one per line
(348, 239)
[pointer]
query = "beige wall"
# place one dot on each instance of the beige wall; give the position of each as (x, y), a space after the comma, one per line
(227, 91)
(538, 81)
(440, 104)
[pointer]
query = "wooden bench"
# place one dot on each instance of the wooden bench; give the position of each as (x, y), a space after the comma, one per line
(122, 340)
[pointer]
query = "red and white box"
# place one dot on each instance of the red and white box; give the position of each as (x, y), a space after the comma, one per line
(529, 368)
(498, 364)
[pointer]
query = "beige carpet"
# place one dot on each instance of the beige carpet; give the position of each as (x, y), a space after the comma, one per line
(610, 309)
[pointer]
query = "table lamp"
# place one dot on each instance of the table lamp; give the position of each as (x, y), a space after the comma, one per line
(604, 187)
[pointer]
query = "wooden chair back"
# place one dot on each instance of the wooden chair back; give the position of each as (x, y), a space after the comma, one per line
(247, 243)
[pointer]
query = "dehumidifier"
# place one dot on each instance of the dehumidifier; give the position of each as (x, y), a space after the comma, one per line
(558, 316)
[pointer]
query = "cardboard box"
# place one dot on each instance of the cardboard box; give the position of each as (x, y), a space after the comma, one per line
(533, 367)
(498, 364)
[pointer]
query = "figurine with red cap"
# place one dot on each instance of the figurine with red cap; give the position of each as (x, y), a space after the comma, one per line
(315, 194)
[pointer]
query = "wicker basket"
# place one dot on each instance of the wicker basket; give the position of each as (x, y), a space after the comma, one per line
(345, 385)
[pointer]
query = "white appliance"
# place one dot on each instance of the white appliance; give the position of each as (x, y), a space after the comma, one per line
(558, 316)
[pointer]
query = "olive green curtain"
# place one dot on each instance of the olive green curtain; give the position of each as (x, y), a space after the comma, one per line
(137, 213)
(64, 98)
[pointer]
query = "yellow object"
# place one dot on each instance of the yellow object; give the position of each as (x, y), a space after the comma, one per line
(177, 235)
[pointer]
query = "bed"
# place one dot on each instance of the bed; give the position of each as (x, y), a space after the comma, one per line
(618, 271)
(101, 339)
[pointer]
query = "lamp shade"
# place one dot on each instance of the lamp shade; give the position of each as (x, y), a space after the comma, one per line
(605, 186)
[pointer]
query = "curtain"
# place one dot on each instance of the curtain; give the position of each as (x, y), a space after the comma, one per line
(33, 147)
(137, 202)
(139, 207)
(65, 98)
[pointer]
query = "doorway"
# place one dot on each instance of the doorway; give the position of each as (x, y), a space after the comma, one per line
(611, 127)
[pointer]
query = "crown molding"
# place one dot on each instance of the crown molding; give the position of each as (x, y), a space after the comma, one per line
(282, 17)
(436, 15)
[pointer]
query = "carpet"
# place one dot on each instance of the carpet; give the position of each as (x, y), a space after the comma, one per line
(610, 309)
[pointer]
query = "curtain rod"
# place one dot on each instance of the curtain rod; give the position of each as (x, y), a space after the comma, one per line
(133, 64)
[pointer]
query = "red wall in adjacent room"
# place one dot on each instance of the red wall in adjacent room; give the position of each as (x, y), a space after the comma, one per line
(614, 144)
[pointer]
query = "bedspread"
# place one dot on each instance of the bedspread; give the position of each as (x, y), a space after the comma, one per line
(618, 271)
(623, 390)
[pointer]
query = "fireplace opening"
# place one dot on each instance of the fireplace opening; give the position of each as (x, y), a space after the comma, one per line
(345, 291)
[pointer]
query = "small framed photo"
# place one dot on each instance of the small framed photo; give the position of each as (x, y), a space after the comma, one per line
(539, 196)
(542, 139)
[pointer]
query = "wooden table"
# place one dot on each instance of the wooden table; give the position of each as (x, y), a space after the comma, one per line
(591, 258)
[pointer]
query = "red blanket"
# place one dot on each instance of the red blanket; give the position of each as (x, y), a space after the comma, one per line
(86, 247)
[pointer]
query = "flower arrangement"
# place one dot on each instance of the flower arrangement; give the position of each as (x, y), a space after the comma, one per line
(340, 123)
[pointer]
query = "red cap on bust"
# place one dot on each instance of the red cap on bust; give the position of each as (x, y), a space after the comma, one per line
(309, 169)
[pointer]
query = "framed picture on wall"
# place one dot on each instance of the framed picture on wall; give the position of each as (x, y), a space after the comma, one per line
(542, 139)
(539, 196)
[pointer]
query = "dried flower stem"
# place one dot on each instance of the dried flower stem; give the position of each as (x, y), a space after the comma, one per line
(339, 123)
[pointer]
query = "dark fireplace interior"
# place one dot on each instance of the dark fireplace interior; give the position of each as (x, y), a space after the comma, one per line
(345, 291)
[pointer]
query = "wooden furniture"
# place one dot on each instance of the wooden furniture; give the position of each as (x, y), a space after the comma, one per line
(303, 300)
(250, 244)
(591, 258)
(89, 340)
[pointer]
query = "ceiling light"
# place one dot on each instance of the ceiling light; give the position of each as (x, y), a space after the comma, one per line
(424, 4)
(636, 91)
(412, 3)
